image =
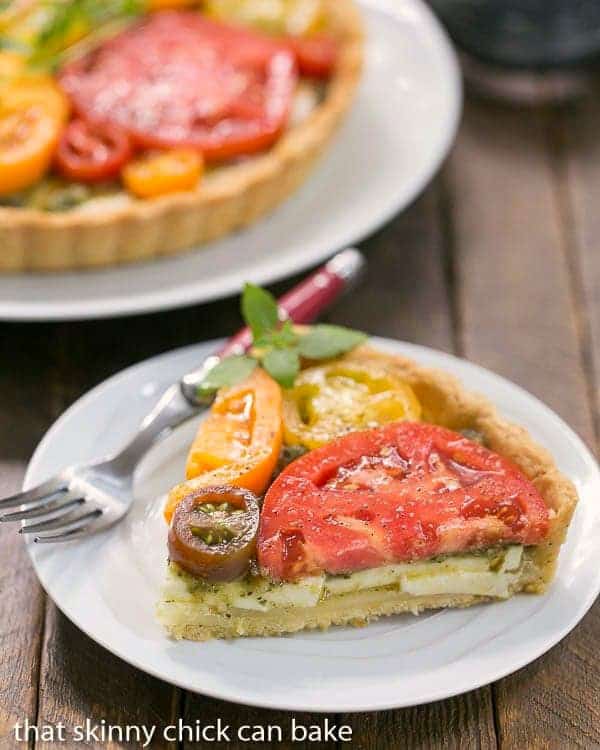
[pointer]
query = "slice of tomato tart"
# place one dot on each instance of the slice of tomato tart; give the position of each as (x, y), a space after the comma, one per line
(435, 502)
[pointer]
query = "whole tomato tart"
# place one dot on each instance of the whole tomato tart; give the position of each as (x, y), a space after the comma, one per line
(369, 486)
(137, 128)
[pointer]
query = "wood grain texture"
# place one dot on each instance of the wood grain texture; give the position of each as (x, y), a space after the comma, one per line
(580, 171)
(81, 681)
(404, 294)
(21, 598)
(518, 316)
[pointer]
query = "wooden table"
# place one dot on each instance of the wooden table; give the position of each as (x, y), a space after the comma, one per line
(499, 261)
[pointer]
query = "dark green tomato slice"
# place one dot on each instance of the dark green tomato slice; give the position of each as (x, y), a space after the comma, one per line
(213, 532)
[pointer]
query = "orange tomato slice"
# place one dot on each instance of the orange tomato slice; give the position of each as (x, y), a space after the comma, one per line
(239, 442)
(170, 4)
(20, 87)
(33, 111)
(36, 90)
(159, 174)
(28, 138)
(12, 65)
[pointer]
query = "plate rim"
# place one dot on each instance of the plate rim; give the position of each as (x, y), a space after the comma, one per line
(412, 350)
(229, 285)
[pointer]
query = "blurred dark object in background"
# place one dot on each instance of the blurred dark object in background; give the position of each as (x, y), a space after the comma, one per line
(525, 49)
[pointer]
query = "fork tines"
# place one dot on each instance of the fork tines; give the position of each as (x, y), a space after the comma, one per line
(51, 507)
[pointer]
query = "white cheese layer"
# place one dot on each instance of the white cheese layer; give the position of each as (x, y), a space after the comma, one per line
(491, 574)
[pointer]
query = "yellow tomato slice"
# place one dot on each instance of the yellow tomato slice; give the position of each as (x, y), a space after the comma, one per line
(159, 174)
(239, 442)
(28, 138)
(331, 400)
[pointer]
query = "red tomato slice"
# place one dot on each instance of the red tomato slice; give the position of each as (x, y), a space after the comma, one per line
(402, 492)
(181, 80)
(92, 153)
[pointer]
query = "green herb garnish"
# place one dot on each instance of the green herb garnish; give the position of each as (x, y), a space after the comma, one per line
(278, 347)
(69, 24)
(229, 371)
(282, 365)
(325, 341)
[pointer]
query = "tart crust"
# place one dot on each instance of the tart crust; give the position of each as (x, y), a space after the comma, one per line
(230, 198)
(447, 403)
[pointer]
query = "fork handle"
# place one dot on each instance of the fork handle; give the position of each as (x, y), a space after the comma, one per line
(310, 298)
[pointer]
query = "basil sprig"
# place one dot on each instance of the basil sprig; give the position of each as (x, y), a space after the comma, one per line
(79, 20)
(277, 346)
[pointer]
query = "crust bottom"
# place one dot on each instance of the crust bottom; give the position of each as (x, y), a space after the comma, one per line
(364, 609)
(234, 197)
(184, 620)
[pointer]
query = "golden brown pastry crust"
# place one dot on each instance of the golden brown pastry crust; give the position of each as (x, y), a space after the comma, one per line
(356, 609)
(233, 197)
(445, 402)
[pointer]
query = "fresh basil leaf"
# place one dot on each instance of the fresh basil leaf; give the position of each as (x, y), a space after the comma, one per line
(325, 341)
(260, 311)
(286, 335)
(283, 365)
(229, 371)
(281, 338)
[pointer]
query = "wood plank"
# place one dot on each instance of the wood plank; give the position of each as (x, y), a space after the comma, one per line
(580, 151)
(404, 294)
(22, 610)
(408, 255)
(518, 317)
(81, 681)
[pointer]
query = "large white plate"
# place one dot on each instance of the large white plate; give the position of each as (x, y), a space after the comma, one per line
(396, 136)
(108, 584)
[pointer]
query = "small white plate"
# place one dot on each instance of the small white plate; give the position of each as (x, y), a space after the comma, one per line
(395, 138)
(108, 585)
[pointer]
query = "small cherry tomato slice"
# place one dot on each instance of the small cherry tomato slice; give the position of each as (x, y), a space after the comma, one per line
(403, 492)
(159, 174)
(329, 400)
(92, 153)
(28, 138)
(316, 55)
(213, 533)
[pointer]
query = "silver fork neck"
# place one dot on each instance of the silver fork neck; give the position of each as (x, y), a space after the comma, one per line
(172, 409)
